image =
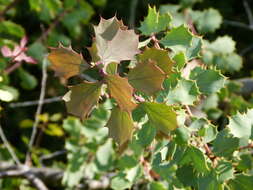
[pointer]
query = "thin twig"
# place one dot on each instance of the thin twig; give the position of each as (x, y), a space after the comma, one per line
(35, 102)
(250, 145)
(7, 145)
(51, 156)
(237, 24)
(13, 67)
(248, 12)
(132, 14)
(39, 109)
(246, 50)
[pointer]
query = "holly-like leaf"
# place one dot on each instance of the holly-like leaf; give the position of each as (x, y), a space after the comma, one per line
(240, 125)
(225, 144)
(121, 91)
(146, 77)
(178, 39)
(81, 98)
(161, 116)
(186, 92)
(207, 21)
(241, 182)
(120, 126)
(66, 62)
(225, 171)
(160, 56)
(154, 22)
(208, 81)
(114, 42)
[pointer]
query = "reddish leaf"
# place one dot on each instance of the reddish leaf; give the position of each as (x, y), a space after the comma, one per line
(121, 91)
(66, 62)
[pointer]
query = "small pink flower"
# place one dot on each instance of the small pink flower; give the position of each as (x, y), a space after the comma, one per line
(18, 54)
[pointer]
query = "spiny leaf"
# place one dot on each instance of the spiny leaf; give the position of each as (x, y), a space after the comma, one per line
(241, 182)
(121, 91)
(160, 56)
(163, 117)
(66, 62)
(146, 77)
(240, 125)
(114, 42)
(207, 21)
(120, 126)
(208, 81)
(186, 92)
(81, 98)
(178, 39)
(154, 22)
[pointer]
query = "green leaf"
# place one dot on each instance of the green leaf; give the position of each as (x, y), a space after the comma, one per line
(160, 56)
(121, 91)
(195, 48)
(146, 77)
(66, 62)
(8, 93)
(209, 182)
(198, 159)
(207, 21)
(146, 134)
(11, 29)
(208, 81)
(222, 45)
(245, 163)
(186, 92)
(119, 182)
(225, 171)
(154, 22)
(104, 156)
(82, 98)
(187, 175)
(240, 125)
(229, 62)
(163, 117)
(224, 144)
(37, 51)
(114, 42)
(182, 135)
(241, 182)
(111, 68)
(180, 61)
(156, 186)
(178, 39)
(120, 126)
(28, 81)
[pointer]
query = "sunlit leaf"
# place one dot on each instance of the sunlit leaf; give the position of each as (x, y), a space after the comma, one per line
(161, 116)
(154, 22)
(160, 56)
(66, 62)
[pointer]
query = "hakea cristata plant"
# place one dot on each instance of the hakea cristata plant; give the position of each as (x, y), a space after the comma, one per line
(150, 67)
(112, 44)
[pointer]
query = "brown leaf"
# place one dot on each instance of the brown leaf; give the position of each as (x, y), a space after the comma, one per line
(146, 77)
(81, 98)
(66, 62)
(121, 91)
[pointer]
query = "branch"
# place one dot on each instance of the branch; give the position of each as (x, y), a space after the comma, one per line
(7, 145)
(238, 24)
(50, 176)
(248, 12)
(39, 109)
(35, 102)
